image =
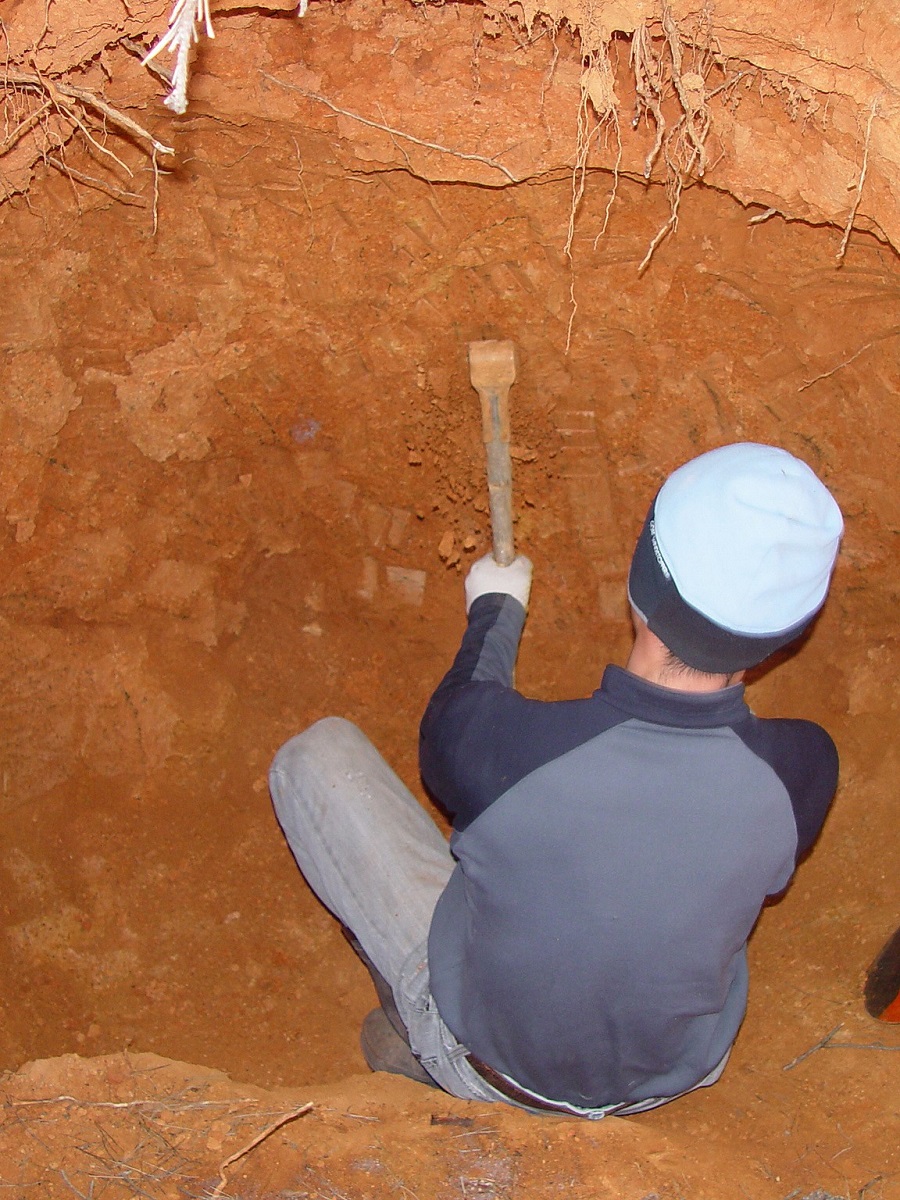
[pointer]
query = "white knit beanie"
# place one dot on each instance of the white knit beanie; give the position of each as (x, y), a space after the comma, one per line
(736, 556)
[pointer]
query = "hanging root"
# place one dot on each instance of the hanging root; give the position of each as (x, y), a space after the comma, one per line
(690, 87)
(661, 73)
(858, 185)
(676, 67)
(648, 82)
(598, 96)
(57, 97)
(674, 193)
(42, 115)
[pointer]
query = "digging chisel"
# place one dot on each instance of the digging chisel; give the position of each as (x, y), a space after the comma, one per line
(492, 369)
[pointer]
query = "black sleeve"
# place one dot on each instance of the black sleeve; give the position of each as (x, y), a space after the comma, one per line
(463, 753)
(479, 736)
(489, 646)
(806, 761)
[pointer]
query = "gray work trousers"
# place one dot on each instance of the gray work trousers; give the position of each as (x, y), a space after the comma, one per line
(376, 859)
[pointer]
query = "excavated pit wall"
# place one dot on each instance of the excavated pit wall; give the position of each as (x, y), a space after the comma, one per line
(242, 476)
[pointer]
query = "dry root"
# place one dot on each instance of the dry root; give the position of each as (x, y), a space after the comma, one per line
(598, 97)
(42, 116)
(672, 71)
(858, 186)
(648, 82)
(670, 68)
(152, 1142)
(675, 67)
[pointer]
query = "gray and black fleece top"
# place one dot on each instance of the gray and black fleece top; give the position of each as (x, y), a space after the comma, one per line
(613, 854)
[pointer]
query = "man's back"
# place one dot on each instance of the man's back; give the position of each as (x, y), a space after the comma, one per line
(591, 942)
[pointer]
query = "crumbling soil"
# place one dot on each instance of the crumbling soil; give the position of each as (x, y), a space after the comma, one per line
(242, 477)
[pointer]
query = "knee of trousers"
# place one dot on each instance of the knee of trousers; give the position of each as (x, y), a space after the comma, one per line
(324, 738)
(323, 751)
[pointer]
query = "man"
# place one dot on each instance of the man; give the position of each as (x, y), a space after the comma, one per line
(580, 947)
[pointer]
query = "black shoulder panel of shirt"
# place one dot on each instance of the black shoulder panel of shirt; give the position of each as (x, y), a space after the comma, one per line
(805, 759)
(479, 736)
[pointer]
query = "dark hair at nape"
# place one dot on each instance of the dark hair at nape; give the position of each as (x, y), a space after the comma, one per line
(674, 666)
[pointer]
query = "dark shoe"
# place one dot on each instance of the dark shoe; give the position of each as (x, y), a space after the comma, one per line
(382, 987)
(385, 1050)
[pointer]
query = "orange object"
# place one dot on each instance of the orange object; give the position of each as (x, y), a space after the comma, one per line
(892, 1012)
(882, 992)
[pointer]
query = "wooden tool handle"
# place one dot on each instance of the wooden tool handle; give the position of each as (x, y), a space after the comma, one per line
(495, 417)
(492, 367)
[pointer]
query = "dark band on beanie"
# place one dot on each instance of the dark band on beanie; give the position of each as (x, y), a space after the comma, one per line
(695, 639)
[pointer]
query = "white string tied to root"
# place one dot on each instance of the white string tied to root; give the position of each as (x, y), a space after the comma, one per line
(180, 37)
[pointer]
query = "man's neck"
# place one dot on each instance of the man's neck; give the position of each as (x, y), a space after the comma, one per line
(650, 660)
(681, 681)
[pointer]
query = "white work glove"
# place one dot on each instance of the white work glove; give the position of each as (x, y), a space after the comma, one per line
(486, 576)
